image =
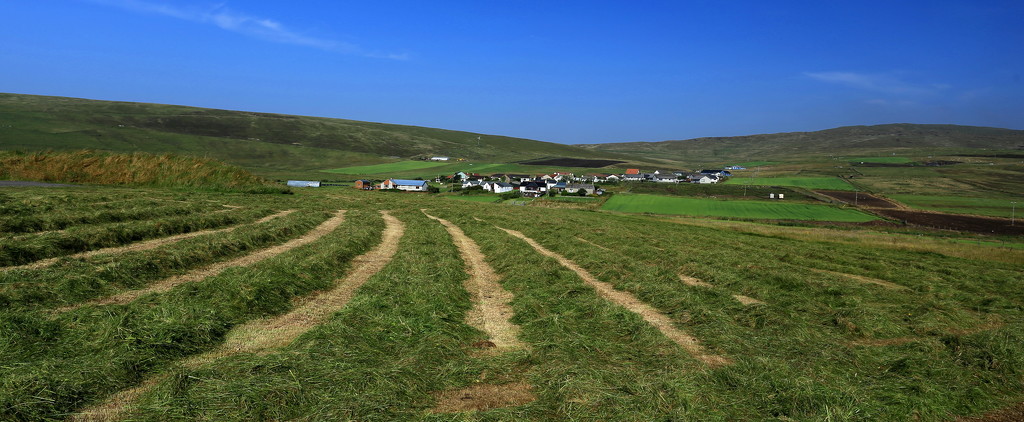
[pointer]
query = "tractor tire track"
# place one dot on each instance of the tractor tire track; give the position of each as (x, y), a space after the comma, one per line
(491, 312)
(625, 299)
(144, 245)
(212, 270)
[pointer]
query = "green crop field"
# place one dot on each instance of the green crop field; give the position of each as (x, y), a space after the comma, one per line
(121, 303)
(737, 209)
(830, 183)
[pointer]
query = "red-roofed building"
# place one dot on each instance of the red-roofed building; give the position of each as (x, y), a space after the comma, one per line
(632, 171)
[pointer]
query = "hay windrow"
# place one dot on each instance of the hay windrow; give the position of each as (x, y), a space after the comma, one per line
(491, 312)
(212, 270)
(654, 317)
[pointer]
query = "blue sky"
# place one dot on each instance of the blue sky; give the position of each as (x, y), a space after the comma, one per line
(562, 71)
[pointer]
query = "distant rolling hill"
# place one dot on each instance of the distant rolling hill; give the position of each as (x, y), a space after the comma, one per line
(268, 144)
(902, 139)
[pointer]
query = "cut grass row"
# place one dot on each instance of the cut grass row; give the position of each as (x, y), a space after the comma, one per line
(779, 210)
(59, 220)
(85, 238)
(75, 281)
(811, 319)
(79, 357)
(379, 358)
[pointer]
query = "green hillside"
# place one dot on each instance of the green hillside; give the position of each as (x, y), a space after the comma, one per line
(267, 144)
(917, 141)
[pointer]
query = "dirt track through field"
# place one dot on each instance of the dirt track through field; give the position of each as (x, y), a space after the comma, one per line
(862, 279)
(491, 312)
(144, 245)
(694, 282)
(625, 299)
(270, 333)
(212, 270)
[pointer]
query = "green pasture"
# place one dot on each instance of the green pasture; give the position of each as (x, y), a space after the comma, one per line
(430, 170)
(733, 209)
(750, 164)
(475, 198)
(992, 207)
(881, 160)
(396, 167)
(831, 183)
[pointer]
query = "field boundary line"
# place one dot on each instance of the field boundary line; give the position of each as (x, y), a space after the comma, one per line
(143, 245)
(491, 312)
(627, 300)
(217, 268)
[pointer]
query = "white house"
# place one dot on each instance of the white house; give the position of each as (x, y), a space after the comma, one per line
(406, 185)
(498, 187)
(439, 158)
(706, 179)
(471, 183)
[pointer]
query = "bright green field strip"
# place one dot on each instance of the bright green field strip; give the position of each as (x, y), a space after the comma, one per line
(494, 198)
(886, 160)
(833, 183)
(961, 204)
(387, 167)
(739, 209)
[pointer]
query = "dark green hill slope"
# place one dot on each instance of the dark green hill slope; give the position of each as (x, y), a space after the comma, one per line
(849, 140)
(265, 143)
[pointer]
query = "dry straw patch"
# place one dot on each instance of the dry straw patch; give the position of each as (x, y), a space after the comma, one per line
(212, 270)
(144, 245)
(491, 312)
(862, 279)
(480, 397)
(694, 282)
(654, 317)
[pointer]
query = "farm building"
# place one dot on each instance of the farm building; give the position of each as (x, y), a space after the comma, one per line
(576, 187)
(498, 187)
(407, 185)
(632, 171)
(533, 188)
(364, 184)
(304, 183)
(439, 158)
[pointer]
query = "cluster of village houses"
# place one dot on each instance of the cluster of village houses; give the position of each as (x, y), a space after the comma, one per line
(533, 186)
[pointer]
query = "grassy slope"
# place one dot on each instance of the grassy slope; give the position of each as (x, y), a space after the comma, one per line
(266, 143)
(880, 140)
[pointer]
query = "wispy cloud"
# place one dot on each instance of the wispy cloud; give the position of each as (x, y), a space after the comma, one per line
(227, 19)
(885, 83)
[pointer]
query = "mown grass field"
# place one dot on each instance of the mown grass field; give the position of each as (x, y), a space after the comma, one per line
(844, 324)
(779, 210)
(831, 183)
